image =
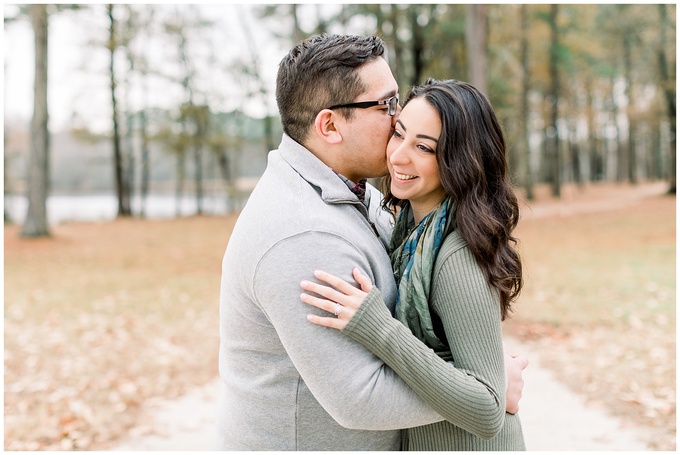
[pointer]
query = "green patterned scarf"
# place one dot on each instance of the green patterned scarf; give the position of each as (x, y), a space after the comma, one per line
(414, 251)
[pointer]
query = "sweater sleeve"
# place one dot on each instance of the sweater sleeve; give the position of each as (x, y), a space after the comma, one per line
(470, 392)
(354, 386)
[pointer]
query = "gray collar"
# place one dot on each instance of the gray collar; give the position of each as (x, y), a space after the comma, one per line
(333, 190)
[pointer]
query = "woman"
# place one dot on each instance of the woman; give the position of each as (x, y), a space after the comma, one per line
(457, 270)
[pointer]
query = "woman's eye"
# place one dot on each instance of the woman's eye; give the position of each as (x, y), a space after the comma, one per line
(397, 134)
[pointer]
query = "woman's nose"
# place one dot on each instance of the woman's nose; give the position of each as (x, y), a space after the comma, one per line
(398, 155)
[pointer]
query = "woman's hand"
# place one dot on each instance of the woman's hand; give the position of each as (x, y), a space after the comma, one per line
(342, 299)
(514, 365)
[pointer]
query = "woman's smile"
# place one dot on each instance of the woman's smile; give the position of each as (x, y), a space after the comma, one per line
(403, 177)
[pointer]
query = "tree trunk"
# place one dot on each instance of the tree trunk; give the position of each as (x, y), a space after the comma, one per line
(618, 147)
(198, 173)
(397, 47)
(121, 187)
(528, 179)
(144, 178)
(298, 34)
(225, 170)
(269, 133)
(669, 93)
(594, 158)
(179, 183)
(417, 46)
(475, 40)
(129, 160)
(553, 135)
(35, 224)
(631, 157)
(263, 91)
(575, 154)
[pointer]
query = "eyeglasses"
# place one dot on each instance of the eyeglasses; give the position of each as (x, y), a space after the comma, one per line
(391, 104)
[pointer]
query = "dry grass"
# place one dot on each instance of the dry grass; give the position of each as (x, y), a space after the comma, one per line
(102, 317)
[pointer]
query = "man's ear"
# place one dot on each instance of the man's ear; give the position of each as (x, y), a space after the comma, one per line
(326, 124)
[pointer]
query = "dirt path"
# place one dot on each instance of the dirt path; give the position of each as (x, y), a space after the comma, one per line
(595, 199)
(553, 417)
(184, 424)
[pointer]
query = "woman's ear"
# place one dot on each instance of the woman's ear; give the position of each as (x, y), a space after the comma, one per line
(326, 125)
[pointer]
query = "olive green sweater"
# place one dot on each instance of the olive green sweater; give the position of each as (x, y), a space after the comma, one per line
(470, 392)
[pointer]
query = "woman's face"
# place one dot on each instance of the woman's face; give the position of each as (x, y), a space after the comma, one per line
(411, 157)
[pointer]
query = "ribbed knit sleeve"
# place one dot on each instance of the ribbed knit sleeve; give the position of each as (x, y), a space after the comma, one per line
(470, 392)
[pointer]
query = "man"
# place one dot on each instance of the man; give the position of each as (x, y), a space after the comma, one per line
(289, 384)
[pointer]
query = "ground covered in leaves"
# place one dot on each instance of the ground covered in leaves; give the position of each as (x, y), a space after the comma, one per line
(102, 317)
(599, 302)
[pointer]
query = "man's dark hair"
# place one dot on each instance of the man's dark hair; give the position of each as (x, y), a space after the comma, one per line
(318, 73)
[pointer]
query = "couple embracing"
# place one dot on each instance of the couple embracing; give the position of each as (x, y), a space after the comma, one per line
(355, 319)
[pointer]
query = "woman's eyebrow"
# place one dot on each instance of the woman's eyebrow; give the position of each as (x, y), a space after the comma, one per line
(420, 136)
(425, 136)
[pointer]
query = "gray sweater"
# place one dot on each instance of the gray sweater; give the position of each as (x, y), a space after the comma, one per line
(470, 392)
(289, 384)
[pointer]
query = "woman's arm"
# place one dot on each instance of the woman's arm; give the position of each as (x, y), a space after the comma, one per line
(470, 394)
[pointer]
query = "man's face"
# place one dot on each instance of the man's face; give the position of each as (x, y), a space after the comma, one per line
(371, 128)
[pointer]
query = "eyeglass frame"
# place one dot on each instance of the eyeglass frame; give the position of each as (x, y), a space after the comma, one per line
(391, 109)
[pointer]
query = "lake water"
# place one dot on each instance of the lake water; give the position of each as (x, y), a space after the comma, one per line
(64, 208)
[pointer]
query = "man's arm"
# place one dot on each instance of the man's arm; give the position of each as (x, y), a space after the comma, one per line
(354, 386)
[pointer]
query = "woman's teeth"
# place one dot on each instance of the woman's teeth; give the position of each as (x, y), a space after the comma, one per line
(404, 176)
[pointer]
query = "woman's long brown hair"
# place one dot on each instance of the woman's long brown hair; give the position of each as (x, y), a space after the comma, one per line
(473, 169)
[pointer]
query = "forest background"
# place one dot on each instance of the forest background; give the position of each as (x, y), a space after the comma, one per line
(179, 98)
(172, 106)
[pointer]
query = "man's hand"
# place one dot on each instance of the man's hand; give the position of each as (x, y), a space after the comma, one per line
(514, 365)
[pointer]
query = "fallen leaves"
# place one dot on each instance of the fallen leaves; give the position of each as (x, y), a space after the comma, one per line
(599, 305)
(80, 362)
(105, 317)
